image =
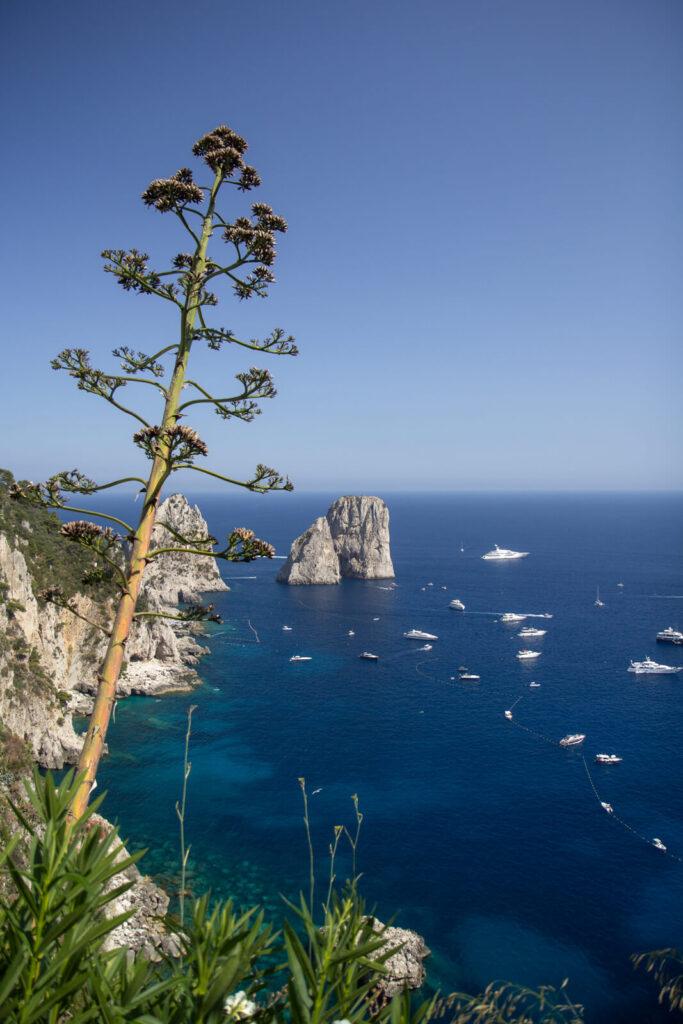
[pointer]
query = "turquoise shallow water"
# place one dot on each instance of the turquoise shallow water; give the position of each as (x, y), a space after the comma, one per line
(477, 831)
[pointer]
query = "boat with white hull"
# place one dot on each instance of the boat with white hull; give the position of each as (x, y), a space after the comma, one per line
(573, 739)
(503, 555)
(512, 617)
(457, 605)
(650, 667)
(529, 633)
(418, 634)
(670, 636)
(526, 655)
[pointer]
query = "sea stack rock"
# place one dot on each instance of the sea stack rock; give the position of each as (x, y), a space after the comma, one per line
(350, 542)
(178, 576)
(312, 558)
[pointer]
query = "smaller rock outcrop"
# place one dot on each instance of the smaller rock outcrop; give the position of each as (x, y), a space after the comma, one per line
(350, 542)
(404, 967)
(312, 558)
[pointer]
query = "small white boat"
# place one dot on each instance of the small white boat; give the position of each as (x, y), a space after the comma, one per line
(430, 584)
(607, 759)
(444, 588)
(598, 603)
(472, 676)
(526, 655)
(650, 667)
(503, 554)
(458, 605)
(375, 618)
(512, 617)
(534, 684)
(300, 657)
(508, 714)
(418, 634)
(370, 657)
(659, 844)
(350, 633)
(573, 739)
(287, 629)
(426, 647)
(607, 807)
(529, 632)
(620, 584)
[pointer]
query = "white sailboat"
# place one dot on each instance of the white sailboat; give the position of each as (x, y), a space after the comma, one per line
(598, 602)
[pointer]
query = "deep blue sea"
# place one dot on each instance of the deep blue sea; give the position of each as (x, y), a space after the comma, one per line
(482, 834)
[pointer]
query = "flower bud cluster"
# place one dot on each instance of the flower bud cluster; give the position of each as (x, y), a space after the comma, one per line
(183, 442)
(173, 193)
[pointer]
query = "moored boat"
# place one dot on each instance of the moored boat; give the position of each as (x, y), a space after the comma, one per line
(300, 657)
(650, 667)
(526, 655)
(529, 631)
(670, 636)
(503, 554)
(369, 656)
(457, 604)
(607, 759)
(418, 634)
(512, 617)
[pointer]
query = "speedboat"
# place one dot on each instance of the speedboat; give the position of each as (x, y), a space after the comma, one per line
(526, 655)
(418, 634)
(426, 647)
(607, 759)
(299, 657)
(534, 684)
(573, 739)
(670, 636)
(370, 657)
(458, 605)
(512, 617)
(530, 631)
(472, 676)
(650, 667)
(508, 714)
(287, 629)
(503, 554)
(607, 807)
(350, 633)
(659, 844)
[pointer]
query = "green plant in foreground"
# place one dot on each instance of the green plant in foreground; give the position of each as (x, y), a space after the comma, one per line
(170, 445)
(180, 811)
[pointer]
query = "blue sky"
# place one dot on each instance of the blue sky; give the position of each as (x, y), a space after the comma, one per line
(483, 264)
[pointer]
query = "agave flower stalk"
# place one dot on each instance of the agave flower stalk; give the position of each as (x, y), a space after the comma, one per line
(170, 445)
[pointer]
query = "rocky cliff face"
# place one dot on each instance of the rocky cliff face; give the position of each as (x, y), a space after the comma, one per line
(49, 658)
(351, 541)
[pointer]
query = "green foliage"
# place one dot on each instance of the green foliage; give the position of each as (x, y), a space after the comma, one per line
(65, 876)
(48, 555)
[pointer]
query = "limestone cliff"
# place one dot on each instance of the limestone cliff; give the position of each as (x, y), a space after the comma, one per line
(49, 657)
(351, 541)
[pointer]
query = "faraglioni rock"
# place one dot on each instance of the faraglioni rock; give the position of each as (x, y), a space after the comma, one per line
(350, 542)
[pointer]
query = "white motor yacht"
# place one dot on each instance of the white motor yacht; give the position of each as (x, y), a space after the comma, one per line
(418, 634)
(607, 807)
(650, 667)
(503, 554)
(573, 739)
(458, 605)
(370, 657)
(530, 631)
(670, 636)
(425, 647)
(659, 844)
(512, 617)
(471, 676)
(508, 714)
(287, 629)
(300, 657)
(607, 759)
(526, 655)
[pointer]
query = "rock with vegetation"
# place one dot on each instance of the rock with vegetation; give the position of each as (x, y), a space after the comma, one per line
(350, 542)
(49, 657)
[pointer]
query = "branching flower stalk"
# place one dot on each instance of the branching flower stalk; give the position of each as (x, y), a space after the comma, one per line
(170, 445)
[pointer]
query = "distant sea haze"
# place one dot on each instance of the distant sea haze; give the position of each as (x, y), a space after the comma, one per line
(480, 832)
